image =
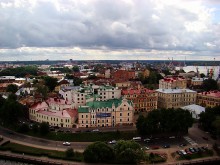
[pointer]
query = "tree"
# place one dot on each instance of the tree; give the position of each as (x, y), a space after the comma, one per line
(50, 82)
(164, 121)
(209, 84)
(75, 68)
(44, 128)
(98, 152)
(35, 127)
(12, 88)
(128, 152)
(42, 90)
(69, 152)
(24, 128)
(202, 75)
(216, 125)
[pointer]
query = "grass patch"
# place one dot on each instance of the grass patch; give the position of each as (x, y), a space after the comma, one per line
(87, 136)
(22, 149)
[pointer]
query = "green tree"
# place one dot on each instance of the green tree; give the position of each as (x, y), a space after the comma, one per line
(35, 127)
(98, 152)
(75, 68)
(209, 84)
(44, 128)
(24, 128)
(216, 125)
(42, 90)
(128, 152)
(11, 111)
(12, 88)
(50, 82)
(69, 152)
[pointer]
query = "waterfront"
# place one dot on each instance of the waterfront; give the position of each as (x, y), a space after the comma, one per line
(202, 69)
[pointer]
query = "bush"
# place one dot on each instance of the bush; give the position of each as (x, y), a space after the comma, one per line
(69, 152)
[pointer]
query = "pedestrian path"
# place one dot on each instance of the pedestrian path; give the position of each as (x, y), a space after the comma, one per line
(190, 141)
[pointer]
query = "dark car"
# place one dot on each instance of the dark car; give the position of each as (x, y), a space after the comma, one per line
(166, 146)
(182, 144)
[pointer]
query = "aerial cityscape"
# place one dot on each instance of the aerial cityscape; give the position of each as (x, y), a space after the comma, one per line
(109, 82)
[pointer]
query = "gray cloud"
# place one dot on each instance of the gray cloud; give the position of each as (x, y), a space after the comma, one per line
(113, 25)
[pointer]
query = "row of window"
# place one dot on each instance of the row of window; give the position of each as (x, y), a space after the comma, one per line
(53, 118)
(101, 121)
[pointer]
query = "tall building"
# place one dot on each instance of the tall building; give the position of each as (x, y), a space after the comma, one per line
(143, 99)
(110, 113)
(209, 99)
(175, 98)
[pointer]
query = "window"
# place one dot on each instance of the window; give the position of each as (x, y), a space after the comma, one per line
(86, 116)
(120, 120)
(120, 114)
(128, 119)
(82, 116)
(128, 114)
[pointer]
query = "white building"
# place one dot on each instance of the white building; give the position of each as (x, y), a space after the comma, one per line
(194, 109)
(79, 95)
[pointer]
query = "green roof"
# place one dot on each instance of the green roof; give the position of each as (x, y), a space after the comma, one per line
(104, 104)
(83, 109)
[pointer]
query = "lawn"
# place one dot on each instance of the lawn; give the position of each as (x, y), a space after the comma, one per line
(22, 149)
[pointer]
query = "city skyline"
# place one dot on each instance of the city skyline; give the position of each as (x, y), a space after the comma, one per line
(109, 30)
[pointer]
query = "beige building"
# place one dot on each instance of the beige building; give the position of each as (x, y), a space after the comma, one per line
(175, 98)
(209, 99)
(110, 113)
(173, 83)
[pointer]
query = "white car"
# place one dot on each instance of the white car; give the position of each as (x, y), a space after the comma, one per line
(66, 143)
(112, 142)
(183, 152)
(95, 130)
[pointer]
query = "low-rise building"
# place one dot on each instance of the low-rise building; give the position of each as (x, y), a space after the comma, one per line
(194, 109)
(209, 99)
(175, 98)
(173, 83)
(143, 99)
(54, 111)
(110, 113)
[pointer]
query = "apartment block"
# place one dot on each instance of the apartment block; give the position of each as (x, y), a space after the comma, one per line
(143, 99)
(209, 99)
(175, 98)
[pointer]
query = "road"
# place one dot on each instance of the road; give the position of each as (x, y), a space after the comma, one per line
(41, 143)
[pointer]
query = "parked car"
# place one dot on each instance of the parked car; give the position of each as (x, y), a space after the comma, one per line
(183, 144)
(192, 150)
(66, 143)
(155, 147)
(183, 152)
(95, 130)
(136, 138)
(112, 142)
(147, 140)
(166, 146)
(179, 153)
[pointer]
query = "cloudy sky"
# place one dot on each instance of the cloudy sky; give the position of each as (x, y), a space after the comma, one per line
(109, 29)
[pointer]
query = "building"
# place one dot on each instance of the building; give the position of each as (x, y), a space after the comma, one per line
(209, 99)
(110, 113)
(194, 109)
(175, 98)
(173, 83)
(143, 99)
(54, 111)
(123, 75)
(197, 81)
(78, 95)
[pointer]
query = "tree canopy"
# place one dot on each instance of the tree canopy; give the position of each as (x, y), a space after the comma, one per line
(50, 82)
(209, 84)
(12, 88)
(98, 152)
(209, 120)
(20, 71)
(164, 121)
